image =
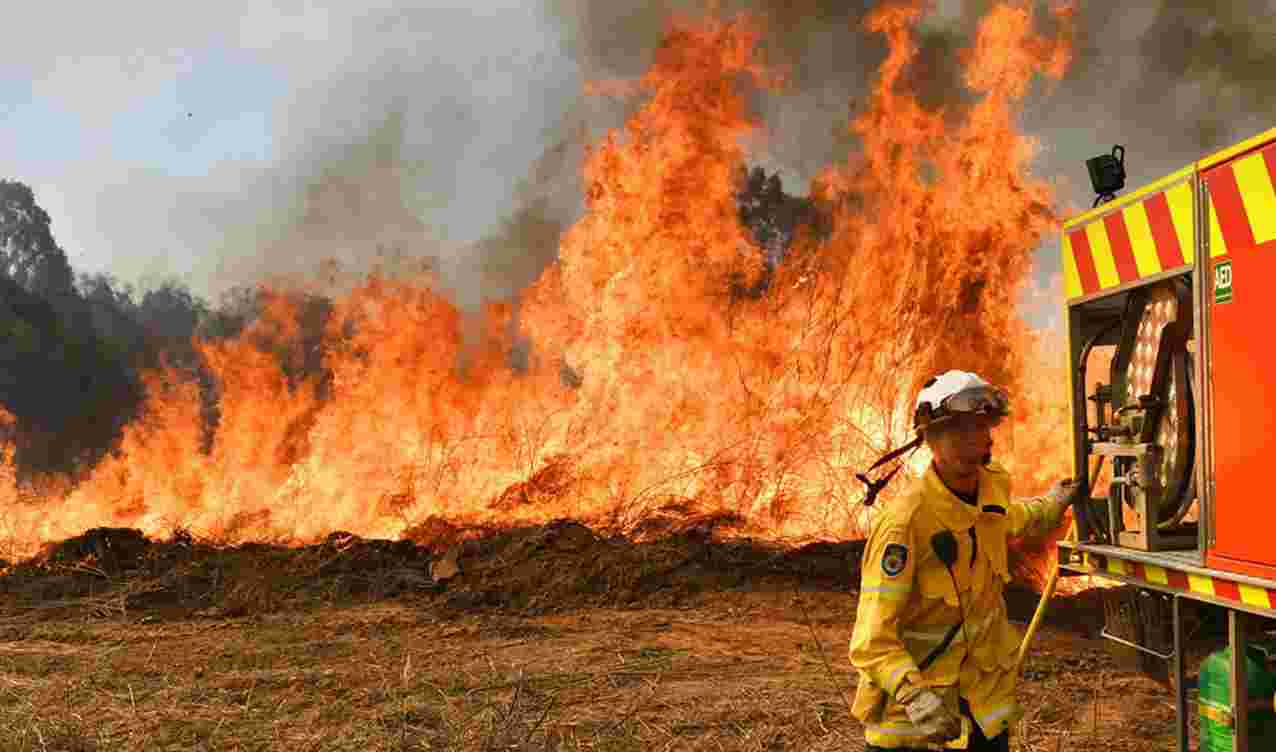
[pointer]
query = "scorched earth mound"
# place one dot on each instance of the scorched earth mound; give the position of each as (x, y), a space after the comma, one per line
(556, 567)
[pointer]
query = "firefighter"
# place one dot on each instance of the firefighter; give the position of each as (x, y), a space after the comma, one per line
(932, 643)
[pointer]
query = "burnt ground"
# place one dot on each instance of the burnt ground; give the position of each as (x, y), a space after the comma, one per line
(543, 638)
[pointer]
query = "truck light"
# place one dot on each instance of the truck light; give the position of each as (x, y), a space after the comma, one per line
(1107, 174)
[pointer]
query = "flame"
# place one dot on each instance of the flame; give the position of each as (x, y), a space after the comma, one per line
(9, 487)
(659, 393)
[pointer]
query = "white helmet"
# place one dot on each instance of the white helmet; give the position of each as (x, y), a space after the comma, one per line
(942, 397)
(958, 392)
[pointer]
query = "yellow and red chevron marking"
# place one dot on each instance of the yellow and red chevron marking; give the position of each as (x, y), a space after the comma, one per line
(1242, 202)
(1200, 584)
(1147, 236)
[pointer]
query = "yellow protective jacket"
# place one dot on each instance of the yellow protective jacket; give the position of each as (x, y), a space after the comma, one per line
(908, 604)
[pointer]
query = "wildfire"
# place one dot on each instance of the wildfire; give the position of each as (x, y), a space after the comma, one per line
(8, 477)
(657, 394)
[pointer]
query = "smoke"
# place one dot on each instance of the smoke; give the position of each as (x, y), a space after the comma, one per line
(240, 141)
(1172, 81)
(453, 134)
(523, 244)
(820, 46)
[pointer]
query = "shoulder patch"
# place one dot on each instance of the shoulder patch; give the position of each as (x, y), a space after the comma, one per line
(894, 559)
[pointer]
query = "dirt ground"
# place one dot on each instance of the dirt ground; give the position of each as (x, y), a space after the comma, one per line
(548, 638)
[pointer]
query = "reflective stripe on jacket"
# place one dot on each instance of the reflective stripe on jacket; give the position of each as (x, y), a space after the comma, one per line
(908, 603)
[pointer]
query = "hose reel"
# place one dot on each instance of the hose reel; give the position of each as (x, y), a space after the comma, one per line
(1150, 436)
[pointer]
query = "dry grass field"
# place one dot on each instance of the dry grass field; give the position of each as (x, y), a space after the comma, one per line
(547, 639)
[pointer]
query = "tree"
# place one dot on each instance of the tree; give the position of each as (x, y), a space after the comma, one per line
(68, 393)
(239, 307)
(72, 351)
(69, 388)
(773, 219)
(28, 254)
(113, 312)
(170, 311)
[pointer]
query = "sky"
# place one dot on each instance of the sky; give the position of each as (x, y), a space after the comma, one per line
(200, 140)
(219, 143)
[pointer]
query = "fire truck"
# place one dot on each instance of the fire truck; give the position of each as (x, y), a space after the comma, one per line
(1172, 358)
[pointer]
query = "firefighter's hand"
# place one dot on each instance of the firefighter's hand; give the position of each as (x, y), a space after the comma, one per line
(927, 712)
(1063, 493)
(1054, 504)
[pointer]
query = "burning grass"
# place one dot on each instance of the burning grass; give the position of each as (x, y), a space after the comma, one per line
(650, 384)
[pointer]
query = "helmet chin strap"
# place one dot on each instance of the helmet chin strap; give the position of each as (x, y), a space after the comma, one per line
(875, 486)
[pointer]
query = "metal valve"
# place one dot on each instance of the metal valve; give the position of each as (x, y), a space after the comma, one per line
(1129, 480)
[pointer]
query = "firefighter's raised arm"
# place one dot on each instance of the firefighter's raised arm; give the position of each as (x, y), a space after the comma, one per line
(1039, 516)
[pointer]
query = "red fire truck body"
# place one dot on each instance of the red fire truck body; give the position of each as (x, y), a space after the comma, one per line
(1170, 280)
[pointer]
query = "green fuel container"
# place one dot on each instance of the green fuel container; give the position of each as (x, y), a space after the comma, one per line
(1215, 702)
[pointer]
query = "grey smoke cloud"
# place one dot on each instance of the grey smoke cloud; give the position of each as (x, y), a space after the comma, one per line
(455, 131)
(402, 129)
(1170, 80)
(1173, 79)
